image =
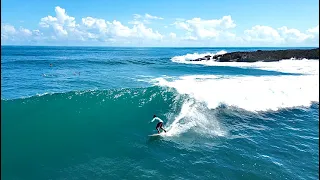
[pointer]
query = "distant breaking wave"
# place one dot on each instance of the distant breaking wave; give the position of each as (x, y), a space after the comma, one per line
(188, 57)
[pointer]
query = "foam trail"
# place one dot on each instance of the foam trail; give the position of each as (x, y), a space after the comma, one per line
(175, 127)
(195, 117)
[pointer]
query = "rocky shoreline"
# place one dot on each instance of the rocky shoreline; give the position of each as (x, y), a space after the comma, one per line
(264, 56)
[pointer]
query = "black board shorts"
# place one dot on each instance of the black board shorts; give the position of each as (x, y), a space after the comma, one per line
(159, 124)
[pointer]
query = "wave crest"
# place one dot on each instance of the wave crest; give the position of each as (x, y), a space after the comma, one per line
(247, 92)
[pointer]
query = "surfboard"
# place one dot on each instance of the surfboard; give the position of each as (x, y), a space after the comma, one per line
(157, 134)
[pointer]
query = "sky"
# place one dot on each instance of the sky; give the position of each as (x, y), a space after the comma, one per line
(164, 23)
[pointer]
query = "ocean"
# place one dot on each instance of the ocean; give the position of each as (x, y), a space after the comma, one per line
(84, 113)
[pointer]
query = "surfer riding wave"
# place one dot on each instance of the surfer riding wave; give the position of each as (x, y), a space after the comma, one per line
(159, 124)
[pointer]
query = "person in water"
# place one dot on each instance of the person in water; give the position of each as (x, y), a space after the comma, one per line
(160, 123)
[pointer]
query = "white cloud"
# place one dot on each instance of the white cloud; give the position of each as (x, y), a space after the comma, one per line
(263, 34)
(116, 30)
(59, 29)
(63, 28)
(141, 31)
(224, 23)
(198, 28)
(314, 33)
(314, 30)
(63, 18)
(120, 30)
(26, 32)
(293, 34)
(281, 36)
(95, 23)
(218, 31)
(10, 32)
(146, 19)
(8, 29)
(88, 21)
(183, 25)
(148, 16)
(47, 21)
(61, 24)
(95, 28)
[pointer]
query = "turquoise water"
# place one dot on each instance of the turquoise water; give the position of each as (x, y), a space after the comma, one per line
(87, 116)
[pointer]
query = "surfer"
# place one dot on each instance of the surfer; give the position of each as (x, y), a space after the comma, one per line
(160, 123)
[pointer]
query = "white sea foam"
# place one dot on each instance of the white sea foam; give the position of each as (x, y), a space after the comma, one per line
(304, 66)
(250, 93)
(196, 117)
(186, 58)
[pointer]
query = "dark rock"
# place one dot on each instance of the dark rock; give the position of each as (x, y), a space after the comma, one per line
(196, 59)
(265, 56)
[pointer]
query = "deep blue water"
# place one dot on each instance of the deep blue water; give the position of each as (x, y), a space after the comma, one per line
(86, 115)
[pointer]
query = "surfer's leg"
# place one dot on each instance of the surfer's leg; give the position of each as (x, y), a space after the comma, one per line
(158, 126)
(162, 127)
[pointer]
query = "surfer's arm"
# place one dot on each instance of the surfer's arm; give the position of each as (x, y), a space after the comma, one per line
(156, 118)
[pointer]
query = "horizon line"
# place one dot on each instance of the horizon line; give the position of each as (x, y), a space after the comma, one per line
(166, 46)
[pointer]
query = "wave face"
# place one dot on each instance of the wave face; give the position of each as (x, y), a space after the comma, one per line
(224, 120)
(113, 108)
